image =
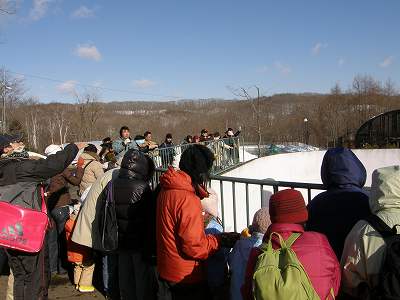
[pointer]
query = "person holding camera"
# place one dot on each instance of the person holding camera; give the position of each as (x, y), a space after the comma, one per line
(123, 143)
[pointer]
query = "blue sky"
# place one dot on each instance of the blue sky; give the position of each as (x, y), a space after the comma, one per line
(170, 49)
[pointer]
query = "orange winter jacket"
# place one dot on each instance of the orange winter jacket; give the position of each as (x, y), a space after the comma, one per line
(182, 245)
(76, 253)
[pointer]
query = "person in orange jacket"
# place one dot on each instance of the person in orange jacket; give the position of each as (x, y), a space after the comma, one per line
(182, 245)
(81, 257)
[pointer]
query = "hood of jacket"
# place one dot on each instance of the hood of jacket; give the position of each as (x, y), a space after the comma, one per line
(385, 189)
(342, 169)
(136, 165)
(88, 156)
(176, 180)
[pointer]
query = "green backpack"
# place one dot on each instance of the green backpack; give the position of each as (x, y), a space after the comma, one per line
(279, 273)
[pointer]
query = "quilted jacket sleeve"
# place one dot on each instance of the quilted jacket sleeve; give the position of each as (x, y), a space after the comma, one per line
(194, 242)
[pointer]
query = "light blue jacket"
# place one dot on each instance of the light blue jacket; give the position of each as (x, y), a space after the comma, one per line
(120, 148)
(238, 261)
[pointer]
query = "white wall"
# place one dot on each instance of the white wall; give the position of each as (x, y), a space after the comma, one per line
(296, 167)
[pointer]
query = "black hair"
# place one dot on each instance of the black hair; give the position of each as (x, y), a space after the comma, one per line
(146, 133)
(90, 148)
(188, 137)
(168, 136)
(106, 140)
(102, 151)
(122, 129)
(197, 161)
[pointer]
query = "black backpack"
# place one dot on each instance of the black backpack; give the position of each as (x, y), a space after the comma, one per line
(105, 226)
(389, 276)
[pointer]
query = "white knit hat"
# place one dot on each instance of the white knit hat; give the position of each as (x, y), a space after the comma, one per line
(52, 149)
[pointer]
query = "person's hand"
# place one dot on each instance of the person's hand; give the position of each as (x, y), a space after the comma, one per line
(228, 239)
(81, 145)
(80, 162)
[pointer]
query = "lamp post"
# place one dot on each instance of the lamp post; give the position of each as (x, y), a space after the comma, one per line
(5, 88)
(305, 131)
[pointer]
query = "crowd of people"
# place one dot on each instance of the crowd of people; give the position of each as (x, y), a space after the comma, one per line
(167, 151)
(166, 241)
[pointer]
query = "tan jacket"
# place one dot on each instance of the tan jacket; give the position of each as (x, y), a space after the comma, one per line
(93, 171)
(83, 229)
(364, 248)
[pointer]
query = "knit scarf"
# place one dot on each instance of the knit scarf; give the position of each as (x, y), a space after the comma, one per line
(17, 154)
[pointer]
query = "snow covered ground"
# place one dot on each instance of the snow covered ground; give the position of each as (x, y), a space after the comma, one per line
(295, 167)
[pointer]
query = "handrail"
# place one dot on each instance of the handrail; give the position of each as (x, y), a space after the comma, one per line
(270, 182)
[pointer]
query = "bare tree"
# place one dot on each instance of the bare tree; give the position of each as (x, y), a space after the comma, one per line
(280, 117)
(255, 103)
(32, 124)
(62, 125)
(90, 111)
(330, 113)
(51, 126)
(12, 91)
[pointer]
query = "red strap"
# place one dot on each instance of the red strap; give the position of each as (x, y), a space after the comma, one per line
(44, 207)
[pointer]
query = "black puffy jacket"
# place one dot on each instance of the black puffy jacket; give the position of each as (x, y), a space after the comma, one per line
(20, 178)
(132, 195)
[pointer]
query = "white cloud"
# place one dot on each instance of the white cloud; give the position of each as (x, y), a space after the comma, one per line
(283, 69)
(83, 12)
(39, 9)
(143, 83)
(341, 61)
(387, 62)
(318, 47)
(67, 87)
(88, 52)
